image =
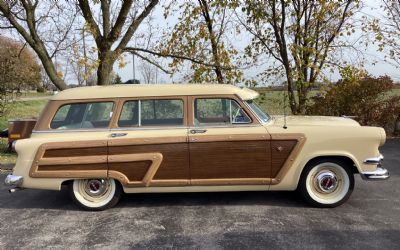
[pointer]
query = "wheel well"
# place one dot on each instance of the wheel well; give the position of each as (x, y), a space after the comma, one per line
(345, 159)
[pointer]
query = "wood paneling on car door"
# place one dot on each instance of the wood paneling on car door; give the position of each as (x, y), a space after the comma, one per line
(280, 150)
(165, 159)
(75, 159)
(229, 159)
(174, 164)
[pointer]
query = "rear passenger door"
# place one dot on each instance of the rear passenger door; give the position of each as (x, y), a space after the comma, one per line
(148, 144)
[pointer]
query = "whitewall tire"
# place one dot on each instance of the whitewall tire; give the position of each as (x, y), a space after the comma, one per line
(326, 182)
(95, 194)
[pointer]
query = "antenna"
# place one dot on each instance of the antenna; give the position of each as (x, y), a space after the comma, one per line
(284, 110)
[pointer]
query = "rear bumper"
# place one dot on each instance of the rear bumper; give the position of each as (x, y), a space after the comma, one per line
(13, 180)
(379, 174)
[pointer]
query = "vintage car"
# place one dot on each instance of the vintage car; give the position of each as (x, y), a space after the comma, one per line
(105, 140)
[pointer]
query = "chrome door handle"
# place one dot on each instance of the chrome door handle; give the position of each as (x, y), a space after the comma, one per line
(113, 135)
(198, 131)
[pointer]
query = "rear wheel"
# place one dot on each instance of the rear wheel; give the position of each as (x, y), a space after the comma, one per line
(326, 183)
(95, 194)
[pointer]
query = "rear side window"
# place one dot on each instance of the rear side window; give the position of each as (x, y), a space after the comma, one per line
(83, 115)
(152, 113)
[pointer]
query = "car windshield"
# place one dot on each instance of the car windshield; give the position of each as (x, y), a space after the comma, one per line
(263, 116)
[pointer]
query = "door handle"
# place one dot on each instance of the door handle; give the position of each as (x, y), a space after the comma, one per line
(113, 135)
(198, 131)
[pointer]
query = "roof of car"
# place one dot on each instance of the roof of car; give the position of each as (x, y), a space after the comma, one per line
(154, 90)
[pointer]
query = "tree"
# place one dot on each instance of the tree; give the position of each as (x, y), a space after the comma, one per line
(43, 25)
(149, 73)
(18, 70)
(111, 32)
(387, 31)
(199, 38)
(301, 36)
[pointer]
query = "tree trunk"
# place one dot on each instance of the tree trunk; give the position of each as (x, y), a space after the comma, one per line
(105, 68)
(51, 70)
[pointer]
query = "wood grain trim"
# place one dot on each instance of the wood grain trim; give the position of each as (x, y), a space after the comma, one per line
(230, 137)
(147, 141)
(155, 158)
(39, 159)
(234, 181)
(301, 139)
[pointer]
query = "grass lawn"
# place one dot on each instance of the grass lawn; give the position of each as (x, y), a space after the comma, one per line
(22, 109)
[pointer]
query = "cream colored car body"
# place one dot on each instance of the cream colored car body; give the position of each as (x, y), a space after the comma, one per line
(325, 136)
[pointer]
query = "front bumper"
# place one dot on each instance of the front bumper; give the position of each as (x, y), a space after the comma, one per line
(379, 174)
(13, 180)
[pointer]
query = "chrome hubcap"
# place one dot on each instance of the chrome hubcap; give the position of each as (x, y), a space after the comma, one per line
(326, 182)
(96, 187)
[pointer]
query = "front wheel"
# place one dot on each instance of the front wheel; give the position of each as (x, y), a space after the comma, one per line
(326, 183)
(95, 194)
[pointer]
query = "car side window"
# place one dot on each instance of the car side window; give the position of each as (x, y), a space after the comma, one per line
(83, 115)
(129, 114)
(152, 113)
(218, 111)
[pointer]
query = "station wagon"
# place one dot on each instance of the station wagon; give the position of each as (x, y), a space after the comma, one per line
(103, 141)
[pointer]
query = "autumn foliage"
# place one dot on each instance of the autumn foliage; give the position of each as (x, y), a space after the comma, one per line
(18, 70)
(368, 98)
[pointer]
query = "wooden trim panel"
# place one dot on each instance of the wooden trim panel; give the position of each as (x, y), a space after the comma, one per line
(229, 137)
(148, 141)
(155, 158)
(301, 139)
(51, 161)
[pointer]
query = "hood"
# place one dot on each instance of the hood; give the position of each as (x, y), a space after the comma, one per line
(314, 121)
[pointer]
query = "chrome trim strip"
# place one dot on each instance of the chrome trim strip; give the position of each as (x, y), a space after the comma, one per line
(373, 160)
(379, 174)
(13, 180)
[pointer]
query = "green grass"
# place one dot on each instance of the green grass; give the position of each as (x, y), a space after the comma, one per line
(6, 157)
(22, 109)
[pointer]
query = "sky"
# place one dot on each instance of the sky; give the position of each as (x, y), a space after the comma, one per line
(374, 61)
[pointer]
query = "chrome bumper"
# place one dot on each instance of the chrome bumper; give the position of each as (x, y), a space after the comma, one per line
(13, 180)
(379, 174)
